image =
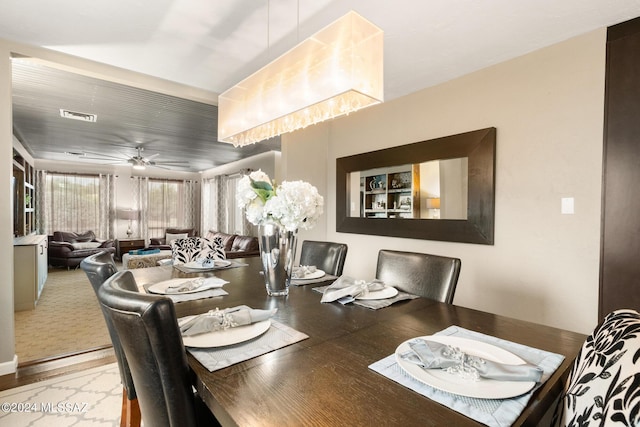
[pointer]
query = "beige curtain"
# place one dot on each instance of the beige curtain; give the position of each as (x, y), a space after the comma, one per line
(75, 202)
(220, 211)
(141, 204)
(166, 204)
(210, 203)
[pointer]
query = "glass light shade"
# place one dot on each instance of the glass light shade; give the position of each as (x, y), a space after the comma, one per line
(336, 71)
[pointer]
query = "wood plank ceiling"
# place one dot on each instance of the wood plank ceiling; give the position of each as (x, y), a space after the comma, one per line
(176, 133)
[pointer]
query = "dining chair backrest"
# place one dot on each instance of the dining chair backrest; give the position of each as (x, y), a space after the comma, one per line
(193, 248)
(150, 337)
(429, 276)
(604, 383)
(98, 268)
(327, 256)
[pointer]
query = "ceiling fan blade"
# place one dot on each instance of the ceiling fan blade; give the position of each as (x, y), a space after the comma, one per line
(171, 162)
(153, 156)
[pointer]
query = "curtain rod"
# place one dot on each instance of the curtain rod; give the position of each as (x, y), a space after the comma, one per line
(75, 173)
(166, 179)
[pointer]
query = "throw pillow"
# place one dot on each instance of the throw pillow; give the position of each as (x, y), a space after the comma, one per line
(171, 237)
(85, 237)
(217, 247)
(86, 245)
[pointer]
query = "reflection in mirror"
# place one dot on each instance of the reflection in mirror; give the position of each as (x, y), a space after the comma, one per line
(451, 179)
(430, 190)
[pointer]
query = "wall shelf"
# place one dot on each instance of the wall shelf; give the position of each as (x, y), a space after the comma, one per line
(24, 196)
(392, 193)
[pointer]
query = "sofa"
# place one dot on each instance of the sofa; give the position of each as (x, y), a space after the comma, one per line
(161, 242)
(235, 245)
(68, 249)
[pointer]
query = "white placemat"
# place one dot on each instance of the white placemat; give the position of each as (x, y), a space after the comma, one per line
(491, 412)
(375, 304)
(278, 336)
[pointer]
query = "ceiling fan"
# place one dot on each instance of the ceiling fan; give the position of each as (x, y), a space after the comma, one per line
(138, 161)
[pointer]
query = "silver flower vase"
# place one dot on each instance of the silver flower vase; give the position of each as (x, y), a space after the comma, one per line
(278, 252)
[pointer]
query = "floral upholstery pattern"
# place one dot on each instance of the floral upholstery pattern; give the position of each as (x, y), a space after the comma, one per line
(193, 248)
(603, 388)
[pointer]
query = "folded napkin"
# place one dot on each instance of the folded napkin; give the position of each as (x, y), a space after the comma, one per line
(300, 271)
(347, 286)
(205, 262)
(218, 320)
(435, 355)
(199, 283)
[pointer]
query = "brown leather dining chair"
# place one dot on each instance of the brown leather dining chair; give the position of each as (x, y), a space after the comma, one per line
(429, 276)
(98, 268)
(148, 331)
(327, 256)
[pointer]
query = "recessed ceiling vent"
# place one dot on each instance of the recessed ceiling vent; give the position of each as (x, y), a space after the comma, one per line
(85, 117)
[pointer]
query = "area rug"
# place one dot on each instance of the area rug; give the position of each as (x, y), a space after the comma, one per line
(67, 319)
(90, 398)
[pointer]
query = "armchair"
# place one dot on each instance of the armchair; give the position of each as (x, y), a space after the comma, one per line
(68, 249)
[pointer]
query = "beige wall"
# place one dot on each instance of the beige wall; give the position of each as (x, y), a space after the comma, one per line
(547, 107)
(7, 352)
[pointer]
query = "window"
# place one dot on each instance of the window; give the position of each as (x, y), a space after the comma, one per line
(72, 202)
(171, 205)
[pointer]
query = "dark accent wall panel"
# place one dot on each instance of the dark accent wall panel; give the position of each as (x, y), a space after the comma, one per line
(620, 243)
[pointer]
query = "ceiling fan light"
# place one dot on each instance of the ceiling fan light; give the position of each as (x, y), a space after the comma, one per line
(336, 71)
(139, 167)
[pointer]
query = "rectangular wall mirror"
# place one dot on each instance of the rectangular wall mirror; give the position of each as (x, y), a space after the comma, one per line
(440, 189)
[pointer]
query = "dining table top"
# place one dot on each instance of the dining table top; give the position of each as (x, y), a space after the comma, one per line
(325, 379)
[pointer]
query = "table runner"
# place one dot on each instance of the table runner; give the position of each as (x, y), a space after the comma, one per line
(375, 304)
(491, 412)
(277, 336)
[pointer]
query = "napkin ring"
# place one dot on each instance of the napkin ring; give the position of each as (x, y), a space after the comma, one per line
(225, 320)
(467, 366)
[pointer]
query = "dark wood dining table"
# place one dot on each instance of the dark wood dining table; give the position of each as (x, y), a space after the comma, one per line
(325, 380)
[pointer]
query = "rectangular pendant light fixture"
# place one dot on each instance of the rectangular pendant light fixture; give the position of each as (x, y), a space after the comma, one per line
(336, 71)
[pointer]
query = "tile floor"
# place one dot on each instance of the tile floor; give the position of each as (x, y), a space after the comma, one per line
(90, 398)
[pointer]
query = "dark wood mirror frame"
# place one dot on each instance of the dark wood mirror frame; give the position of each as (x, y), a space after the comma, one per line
(478, 146)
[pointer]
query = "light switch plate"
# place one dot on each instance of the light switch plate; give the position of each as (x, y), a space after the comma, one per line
(567, 206)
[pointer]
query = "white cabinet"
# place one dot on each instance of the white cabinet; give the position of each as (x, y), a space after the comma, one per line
(29, 270)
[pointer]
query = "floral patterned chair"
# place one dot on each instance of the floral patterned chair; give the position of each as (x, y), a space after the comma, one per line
(604, 385)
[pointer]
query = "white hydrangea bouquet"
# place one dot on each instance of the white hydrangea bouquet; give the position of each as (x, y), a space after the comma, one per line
(293, 204)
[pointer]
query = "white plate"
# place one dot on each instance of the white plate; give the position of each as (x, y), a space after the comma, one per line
(387, 292)
(218, 263)
(226, 337)
(483, 388)
(315, 275)
(161, 287)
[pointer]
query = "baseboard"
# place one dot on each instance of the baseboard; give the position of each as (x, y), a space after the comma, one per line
(9, 367)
